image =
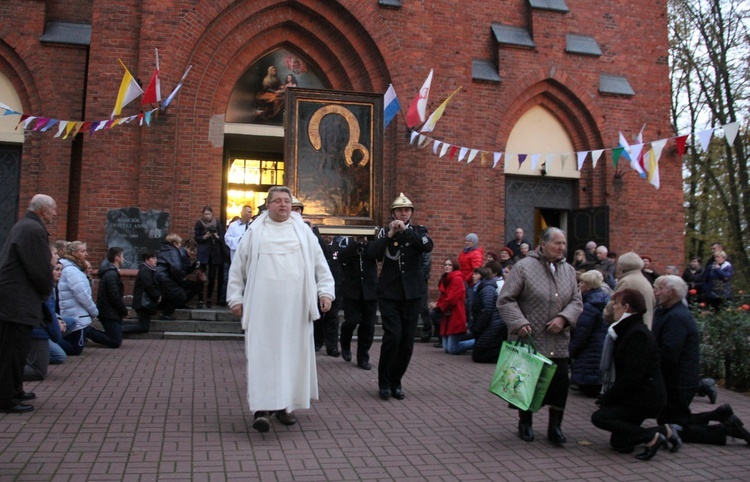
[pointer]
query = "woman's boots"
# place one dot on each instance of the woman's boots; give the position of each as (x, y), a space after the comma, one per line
(524, 426)
(554, 431)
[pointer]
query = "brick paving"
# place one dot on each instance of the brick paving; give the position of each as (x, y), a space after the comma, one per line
(176, 410)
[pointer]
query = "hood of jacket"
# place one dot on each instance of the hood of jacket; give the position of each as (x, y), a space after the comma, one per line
(598, 297)
(629, 262)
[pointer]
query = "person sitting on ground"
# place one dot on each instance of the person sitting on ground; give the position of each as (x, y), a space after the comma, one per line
(146, 285)
(587, 338)
(450, 306)
(109, 301)
(75, 298)
(487, 325)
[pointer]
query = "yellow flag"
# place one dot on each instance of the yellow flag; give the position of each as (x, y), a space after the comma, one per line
(435, 116)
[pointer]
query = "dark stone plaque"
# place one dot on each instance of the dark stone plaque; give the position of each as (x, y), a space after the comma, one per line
(136, 232)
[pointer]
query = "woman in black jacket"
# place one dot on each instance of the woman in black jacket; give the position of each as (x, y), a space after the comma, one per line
(486, 324)
(587, 338)
(145, 284)
(632, 384)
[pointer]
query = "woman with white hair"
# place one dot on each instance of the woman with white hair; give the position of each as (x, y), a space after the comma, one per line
(587, 338)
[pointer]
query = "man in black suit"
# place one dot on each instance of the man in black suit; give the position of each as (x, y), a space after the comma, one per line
(360, 300)
(26, 264)
(517, 241)
(399, 246)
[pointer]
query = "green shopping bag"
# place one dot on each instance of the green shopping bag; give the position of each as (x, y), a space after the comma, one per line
(522, 375)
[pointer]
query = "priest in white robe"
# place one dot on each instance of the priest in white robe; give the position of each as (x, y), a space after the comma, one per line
(279, 283)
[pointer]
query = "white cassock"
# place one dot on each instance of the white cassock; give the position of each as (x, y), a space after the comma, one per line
(278, 274)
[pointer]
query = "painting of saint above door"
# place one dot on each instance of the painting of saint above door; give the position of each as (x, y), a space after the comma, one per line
(259, 95)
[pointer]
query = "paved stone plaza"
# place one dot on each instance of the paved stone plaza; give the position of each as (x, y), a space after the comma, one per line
(176, 410)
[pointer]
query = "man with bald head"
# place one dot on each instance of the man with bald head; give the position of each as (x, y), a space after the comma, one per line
(25, 283)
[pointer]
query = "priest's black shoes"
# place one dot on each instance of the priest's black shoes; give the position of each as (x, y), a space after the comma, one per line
(18, 408)
(364, 366)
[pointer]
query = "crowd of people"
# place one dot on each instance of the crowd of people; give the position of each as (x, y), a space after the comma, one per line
(617, 330)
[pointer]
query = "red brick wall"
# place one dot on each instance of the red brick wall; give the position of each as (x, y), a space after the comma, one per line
(363, 47)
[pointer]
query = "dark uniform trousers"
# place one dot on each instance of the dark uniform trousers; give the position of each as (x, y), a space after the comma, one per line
(359, 313)
(399, 319)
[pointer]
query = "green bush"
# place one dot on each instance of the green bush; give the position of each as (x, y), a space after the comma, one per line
(725, 342)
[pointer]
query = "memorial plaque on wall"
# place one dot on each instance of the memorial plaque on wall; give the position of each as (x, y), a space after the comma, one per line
(333, 155)
(136, 232)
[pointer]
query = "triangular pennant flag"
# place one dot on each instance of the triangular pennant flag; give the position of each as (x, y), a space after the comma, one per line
(563, 160)
(452, 152)
(535, 161)
(658, 147)
(422, 141)
(94, 126)
(435, 146)
(49, 124)
(103, 125)
(462, 153)
(472, 155)
(730, 132)
(418, 109)
(140, 118)
(76, 128)
(595, 155)
(483, 158)
(444, 149)
(23, 118)
(10, 112)
(40, 121)
(496, 159)
(147, 115)
(705, 138)
(61, 128)
(581, 158)
(549, 159)
(680, 144)
(640, 155)
(435, 116)
(521, 158)
(4, 106)
(616, 153)
(85, 126)
(110, 124)
(414, 135)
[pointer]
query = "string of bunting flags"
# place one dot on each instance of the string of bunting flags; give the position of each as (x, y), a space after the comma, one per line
(129, 90)
(645, 162)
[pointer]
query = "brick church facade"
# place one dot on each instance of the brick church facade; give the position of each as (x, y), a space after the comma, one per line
(538, 77)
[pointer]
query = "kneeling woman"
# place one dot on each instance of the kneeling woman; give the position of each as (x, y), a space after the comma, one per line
(451, 307)
(632, 385)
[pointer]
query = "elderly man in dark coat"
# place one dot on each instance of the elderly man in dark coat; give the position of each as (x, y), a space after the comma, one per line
(25, 283)
(679, 353)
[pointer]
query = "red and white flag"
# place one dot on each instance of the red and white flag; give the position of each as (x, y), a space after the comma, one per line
(152, 95)
(417, 112)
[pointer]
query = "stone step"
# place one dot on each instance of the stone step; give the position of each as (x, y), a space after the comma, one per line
(209, 324)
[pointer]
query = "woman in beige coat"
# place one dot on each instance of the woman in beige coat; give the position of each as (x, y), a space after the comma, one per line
(541, 298)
